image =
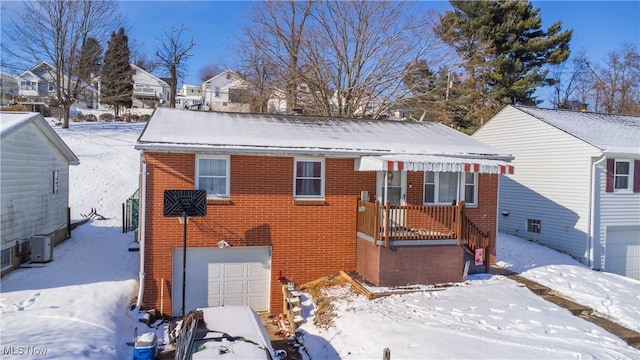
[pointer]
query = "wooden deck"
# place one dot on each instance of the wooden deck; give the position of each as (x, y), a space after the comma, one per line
(386, 223)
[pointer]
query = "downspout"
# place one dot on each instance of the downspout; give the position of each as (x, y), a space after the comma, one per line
(592, 212)
(142, 209)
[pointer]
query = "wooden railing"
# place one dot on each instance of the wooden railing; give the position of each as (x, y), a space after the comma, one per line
(410, 222)
(413, 222)
(474, 237)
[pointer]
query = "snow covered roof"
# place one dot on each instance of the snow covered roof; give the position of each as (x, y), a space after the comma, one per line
(12, 121)
(179, 130)
(224, 73)
(611, 133)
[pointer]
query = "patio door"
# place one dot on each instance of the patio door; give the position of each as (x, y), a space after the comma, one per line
(392, 187)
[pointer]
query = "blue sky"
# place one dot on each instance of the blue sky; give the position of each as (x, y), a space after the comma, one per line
(599, 26)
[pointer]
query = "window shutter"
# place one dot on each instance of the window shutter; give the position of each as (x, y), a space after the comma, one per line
(611, 165)
(636, 176)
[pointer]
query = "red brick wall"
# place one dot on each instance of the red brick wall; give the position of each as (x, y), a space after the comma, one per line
(485, 215)
(408, 265)
(308, 239)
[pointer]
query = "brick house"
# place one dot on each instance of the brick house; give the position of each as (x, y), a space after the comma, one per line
(298, 198)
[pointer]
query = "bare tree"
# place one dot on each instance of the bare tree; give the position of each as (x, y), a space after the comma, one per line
(339, 58)
(367, 46)
(261, 72)
(209, 71)
(173, 53)
(616, 84)
(276, 32)
(570, 90)
(56, 32)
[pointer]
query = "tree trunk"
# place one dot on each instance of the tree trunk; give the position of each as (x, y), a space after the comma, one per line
(174, 85)
(65, 112)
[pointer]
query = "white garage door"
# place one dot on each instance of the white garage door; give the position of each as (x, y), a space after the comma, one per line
(622, 254)
(227, 276)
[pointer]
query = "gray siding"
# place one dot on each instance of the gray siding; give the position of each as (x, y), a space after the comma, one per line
(614, 210)
(551, 182)
(29, 206)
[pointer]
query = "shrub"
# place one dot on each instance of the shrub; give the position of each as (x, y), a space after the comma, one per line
(106, 117)
(16, 107)
(56, 112)
(45, 111)
(145, 117)
(90, 117)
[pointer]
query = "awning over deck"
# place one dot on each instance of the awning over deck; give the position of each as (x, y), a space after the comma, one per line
(432, 163)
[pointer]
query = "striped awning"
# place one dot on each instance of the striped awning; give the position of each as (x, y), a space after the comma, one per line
(433, 163)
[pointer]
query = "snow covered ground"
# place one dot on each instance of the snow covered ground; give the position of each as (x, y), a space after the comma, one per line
(77, 306)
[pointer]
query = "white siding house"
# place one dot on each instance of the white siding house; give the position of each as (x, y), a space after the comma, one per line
(149, 91)
(577, 183)
(228, 92)
(34, 173)
(189, 97)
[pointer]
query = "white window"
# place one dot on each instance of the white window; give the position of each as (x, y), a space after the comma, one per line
(470, 186)
(28, 85)
(54, 182)
(622, 175)
(308, 178)
(6, 258)
(213, 176)
(449, 187)
(51, 86)
(534, 226)
(216, 92)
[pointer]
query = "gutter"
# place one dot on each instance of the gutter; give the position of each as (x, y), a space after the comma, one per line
(142, 225)
(592, 211)
(284, 151)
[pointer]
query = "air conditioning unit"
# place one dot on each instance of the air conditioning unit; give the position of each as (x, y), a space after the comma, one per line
(41, 248)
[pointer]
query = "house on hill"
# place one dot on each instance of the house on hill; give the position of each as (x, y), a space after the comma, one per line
(149, 91)
(292, 198)
(38, 85)
(577, 188)
(189, 97)
(227, 92)
(34, 170)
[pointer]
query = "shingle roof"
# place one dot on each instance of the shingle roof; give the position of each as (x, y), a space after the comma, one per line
(171, 129)
(609, 132)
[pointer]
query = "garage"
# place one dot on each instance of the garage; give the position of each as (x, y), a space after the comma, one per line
(222, 276)
(622, 254)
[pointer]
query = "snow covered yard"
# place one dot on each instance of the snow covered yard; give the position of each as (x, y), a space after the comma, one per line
(77, 306)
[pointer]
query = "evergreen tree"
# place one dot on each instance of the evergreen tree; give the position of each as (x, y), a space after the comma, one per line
(116, 73)
(504, 51)
(90, 60)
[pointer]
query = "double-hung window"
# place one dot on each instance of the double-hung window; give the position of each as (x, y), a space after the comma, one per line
(448, 187)
(308, 179)
(213, 176)
(622, 175)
